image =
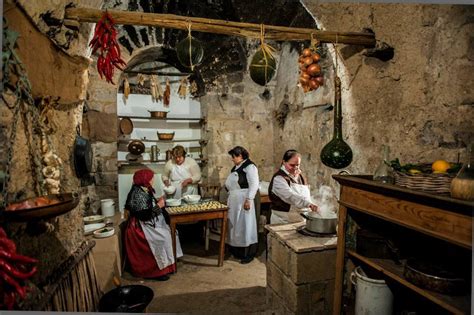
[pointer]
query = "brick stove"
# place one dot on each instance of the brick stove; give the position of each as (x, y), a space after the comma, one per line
(300, 270)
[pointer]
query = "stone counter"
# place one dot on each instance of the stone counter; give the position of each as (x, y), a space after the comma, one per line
(300, 270)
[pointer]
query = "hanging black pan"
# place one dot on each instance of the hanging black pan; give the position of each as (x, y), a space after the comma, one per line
(82, 156)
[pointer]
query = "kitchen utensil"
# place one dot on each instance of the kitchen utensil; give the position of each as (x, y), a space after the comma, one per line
(126, 126)
(154, 153)
(128, 299)
(372, 245)
(82, 156)
(165, 135)
(169, 189)
(62, 204)
(89, 228)
(105, 232)
(158, 114)
(169, 155)
(462, 186)
(93, 219)
(434, 276)
(384, 172)
(107, 207)
(191, 199)
(173, 202)
(316, 223)
(337, 153)
(136, 147)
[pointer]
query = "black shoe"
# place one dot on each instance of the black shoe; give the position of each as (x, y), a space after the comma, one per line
(246, 260)
(163, 278)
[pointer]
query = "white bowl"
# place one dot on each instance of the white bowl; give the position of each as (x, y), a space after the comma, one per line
(89, 228)
(169, 189)
(93, 219)
(173, 202)
(192, 198)
(105, 232)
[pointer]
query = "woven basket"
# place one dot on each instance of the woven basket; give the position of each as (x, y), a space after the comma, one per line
(432, 183)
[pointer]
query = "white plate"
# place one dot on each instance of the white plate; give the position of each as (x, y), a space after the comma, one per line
(89, 228)
(105, 232)
(93, 219)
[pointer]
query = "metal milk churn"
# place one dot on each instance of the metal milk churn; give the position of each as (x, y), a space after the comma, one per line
(154, 153)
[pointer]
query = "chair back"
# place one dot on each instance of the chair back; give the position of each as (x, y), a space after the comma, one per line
(209, 191)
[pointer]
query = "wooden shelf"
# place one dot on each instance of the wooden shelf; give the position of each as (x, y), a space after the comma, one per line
(160, 161)
(197, 119)
(164, 141)
(455, 304)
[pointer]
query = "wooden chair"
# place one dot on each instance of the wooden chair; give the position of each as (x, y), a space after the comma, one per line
(209, 191)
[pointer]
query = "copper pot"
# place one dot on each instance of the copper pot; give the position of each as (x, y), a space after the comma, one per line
(158, 114)
(136, 147)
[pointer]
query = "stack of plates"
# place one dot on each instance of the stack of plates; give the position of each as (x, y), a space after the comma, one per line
(89, 228)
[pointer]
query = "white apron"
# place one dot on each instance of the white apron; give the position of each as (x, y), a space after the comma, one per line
(159, 240)
(293, 215)
(242, 224)
(178, 174)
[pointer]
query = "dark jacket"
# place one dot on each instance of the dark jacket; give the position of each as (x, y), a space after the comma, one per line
(142, 205)
(243, 182)
(278, 204)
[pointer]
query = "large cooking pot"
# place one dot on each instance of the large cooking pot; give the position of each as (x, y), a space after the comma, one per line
(317, 224)
(126, 299)
(82, 156)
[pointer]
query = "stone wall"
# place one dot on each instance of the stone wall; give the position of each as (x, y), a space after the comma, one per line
(420, 102)
(62, 79)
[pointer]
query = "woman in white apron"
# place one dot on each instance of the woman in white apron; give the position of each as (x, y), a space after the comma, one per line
(242, 185)
(289, 191)
(183, 173)
(147, 238)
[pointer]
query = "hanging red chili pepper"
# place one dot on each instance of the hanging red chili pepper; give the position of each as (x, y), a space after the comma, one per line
(15, 269)
(105, 41)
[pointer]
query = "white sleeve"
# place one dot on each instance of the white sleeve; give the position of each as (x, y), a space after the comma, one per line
(253, 180)
(282, 190)
(194, 169)
(167, 170)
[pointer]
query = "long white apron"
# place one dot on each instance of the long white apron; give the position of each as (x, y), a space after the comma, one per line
(293, 215)
(242, 224)
(159, 240)
(178, 174)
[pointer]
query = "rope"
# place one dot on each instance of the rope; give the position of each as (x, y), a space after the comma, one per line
(190, 50)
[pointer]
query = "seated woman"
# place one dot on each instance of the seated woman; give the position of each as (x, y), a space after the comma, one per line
(147, 237)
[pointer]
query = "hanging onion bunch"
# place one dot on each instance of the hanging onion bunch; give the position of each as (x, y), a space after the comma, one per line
(263, 65)
(311, 77)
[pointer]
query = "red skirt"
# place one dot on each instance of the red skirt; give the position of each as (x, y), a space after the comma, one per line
(139, 255)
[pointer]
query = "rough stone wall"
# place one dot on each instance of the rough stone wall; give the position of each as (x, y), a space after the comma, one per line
(54, 74)
(420, 102)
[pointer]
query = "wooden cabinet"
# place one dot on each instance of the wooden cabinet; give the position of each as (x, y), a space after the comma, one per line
(433, 216)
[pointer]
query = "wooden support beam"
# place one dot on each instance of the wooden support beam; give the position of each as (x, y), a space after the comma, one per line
(251, 30)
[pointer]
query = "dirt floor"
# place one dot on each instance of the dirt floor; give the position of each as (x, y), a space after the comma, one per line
(201, 287)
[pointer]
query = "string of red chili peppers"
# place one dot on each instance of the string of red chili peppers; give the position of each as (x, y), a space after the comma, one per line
(105, 41)
(15, 269)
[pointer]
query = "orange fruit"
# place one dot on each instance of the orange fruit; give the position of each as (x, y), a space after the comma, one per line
(440, 166)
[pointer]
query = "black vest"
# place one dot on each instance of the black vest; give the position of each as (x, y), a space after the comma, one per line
(243, 182)
(278, 204)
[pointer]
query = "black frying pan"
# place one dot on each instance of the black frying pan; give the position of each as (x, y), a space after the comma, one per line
(82, 156)
(126, 299)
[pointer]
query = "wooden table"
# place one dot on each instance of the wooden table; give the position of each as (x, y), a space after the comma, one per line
(436, 216)
(205, 215)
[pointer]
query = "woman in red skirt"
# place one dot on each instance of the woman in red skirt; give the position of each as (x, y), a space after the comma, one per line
(147, 238)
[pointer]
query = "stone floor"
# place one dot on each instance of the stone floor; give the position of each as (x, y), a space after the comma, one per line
(200, 287)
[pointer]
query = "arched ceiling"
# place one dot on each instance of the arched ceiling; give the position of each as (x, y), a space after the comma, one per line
(223, 54)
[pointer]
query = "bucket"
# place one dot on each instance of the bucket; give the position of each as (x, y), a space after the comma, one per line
(107, 206)
(373, 296)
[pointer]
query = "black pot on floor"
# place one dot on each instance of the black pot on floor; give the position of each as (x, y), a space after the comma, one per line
(126, 299)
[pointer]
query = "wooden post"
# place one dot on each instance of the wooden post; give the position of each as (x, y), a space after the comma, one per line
(341, 236)
(251, 30)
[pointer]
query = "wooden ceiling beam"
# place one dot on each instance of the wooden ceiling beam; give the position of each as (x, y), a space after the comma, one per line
(251, 30)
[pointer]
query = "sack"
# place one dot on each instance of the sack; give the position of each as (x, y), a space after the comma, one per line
(263, 65)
